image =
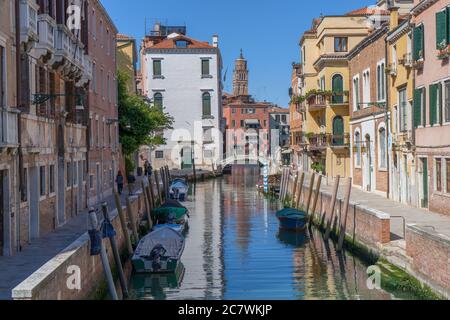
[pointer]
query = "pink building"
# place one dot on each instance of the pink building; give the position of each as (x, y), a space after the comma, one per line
(431, 19)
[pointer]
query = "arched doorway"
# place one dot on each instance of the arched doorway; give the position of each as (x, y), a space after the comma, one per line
(337, 84)
(338, 131)
(368, 164)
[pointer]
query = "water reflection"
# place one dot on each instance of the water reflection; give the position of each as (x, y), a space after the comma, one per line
(235, 250)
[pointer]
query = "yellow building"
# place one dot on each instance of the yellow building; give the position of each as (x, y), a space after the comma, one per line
(325, 86)
(126, 59)
(400, 100)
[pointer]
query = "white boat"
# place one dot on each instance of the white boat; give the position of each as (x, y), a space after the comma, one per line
(159, 252)
(178, 189)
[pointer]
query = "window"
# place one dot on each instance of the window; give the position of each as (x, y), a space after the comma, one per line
(205, 67)
(206, 104)
(357, 149)
(438, 174)
(419, 107)
(2, 78)
(42, 181)
(158, 100)
(233, 123)
(157, 71)
(102, 83)
(284, 118)
(69, 175)
(403, 110)
(159, 154)
(340, 44)
(233, 111)
(91, 181)
(108, 92)
(207, 135)
(181, 43)
(435, 104)
(356, 102)
(442, 31)
(419, 43)
(337, 88)
(382, 148)
(51, 177)
(366, 88)
(24, 196)
(242, 123)
(447, 170)
(381, 81)
(447, 101)
(75, 174)
(338, 131)
(94, 77)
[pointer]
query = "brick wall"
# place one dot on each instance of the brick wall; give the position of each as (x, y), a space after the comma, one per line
(430, 253)
(366, 225)
(50, 281)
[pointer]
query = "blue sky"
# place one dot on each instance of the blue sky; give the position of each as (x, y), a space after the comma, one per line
(267, 30)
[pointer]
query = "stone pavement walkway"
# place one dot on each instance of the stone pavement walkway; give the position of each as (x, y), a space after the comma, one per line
(15, 269)
(435, 221)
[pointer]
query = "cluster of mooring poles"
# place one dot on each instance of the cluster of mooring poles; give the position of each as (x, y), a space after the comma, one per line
(155, 190)
(292, 192)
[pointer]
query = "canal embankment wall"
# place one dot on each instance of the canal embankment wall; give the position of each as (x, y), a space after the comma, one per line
(426, 256)
(58, 279)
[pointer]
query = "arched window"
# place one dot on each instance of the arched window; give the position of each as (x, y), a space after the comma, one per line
(206, 104)
(337, 83)
(338, 131)
(158, 100)
(357, 149)
(382, 148)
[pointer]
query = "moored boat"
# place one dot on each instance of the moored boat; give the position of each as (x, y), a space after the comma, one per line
(178, 189)
(159, 252)
(292, 219)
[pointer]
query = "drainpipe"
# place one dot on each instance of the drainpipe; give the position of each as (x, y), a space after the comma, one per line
(19, 107)
(387, 120)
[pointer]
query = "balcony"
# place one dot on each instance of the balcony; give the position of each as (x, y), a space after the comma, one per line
(208, 122)
(339, 99)
(38, 134)
(317, 102)
(407, 60)
(317, 142)
(391, 69)
(339, 141)
(8, 128)
(28, 21)
(69, 52)
(46, 30)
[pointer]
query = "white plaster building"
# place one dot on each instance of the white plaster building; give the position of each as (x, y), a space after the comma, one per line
(183, 76)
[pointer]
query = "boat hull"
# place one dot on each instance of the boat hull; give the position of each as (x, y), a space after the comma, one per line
(291, 223)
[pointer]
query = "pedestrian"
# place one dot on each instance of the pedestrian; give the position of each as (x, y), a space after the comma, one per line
(131, 180)
(119, 181)
(149, 169)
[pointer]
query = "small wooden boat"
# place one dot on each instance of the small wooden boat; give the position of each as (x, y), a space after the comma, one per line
(159, 252)
(292, 219)
(181, 226)
(164, 215)
(178, 189)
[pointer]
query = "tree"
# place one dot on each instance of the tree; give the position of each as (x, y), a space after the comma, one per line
(140, 123)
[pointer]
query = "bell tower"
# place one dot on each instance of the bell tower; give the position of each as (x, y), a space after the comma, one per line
(240, 79)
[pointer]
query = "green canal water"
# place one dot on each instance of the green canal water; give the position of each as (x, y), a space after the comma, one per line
(235, 250)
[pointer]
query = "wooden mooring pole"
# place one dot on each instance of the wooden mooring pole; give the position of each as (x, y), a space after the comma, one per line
(294, 190)
(158, 187)
(116, 254)
(310, 192)
(103, 256)
(132, 220)
(344, 214)
(331, 208)
(315, 199)
(123, 224)
(300, 189)
(147, 204)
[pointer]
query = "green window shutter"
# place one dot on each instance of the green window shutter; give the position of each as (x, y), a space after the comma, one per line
(418, 43)
(417, 107)
(439, 103)
(448, 25)
(433, 104)
(441, 29)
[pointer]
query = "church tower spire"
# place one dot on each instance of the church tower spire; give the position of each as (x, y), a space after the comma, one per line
(240, 79)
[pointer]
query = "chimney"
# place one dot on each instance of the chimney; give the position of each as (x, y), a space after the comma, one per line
(215, 41)
(394, 15)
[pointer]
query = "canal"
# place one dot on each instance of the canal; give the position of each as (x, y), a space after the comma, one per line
(235, 250)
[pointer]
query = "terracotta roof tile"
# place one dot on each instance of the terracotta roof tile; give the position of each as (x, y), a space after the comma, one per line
(121, 36)
(367, 11)
(192, 43)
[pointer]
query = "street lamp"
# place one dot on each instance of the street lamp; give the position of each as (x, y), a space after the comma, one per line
(40, 98)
